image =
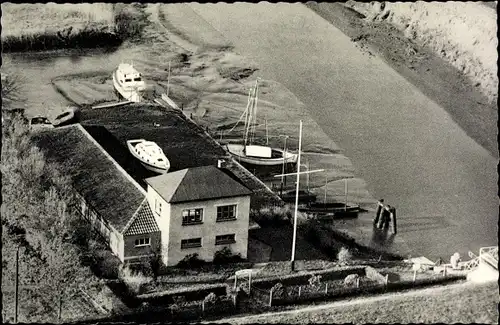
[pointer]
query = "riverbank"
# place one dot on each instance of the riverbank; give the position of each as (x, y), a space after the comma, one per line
(464, 34)
(472, 82)
(72, 26)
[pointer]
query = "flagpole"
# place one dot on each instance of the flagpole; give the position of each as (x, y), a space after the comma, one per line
(168, 79)
(296, 200)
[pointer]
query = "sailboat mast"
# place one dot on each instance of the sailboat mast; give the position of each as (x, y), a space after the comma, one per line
(254, 108)
(346, 194)
(168, 79)
(247, 117)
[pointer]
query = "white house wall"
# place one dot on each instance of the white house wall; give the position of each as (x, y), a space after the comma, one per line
(163, 221)
(208, 229)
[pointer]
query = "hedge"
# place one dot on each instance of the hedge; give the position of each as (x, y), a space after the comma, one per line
(342, 292)
(303, 278)
(190, 294)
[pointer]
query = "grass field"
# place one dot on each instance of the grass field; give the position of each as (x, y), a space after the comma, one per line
(28, 19)
(458, 303)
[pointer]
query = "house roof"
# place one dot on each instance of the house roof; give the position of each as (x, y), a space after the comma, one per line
(196, 184)
(108, 189)
(143, 222)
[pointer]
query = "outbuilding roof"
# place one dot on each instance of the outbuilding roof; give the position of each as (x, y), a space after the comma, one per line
(196, 184)
(109, 190)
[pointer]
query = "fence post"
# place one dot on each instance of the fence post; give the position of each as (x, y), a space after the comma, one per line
(235, 280)
(235, 297)
(445, 270)
(271, 297)
(326, 288)
(249, 282)
(300, 289)
(203, 306)
(414, 276)
(386, 280)
(357, 283)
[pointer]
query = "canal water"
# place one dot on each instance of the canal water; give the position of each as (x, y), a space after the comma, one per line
(405, 146)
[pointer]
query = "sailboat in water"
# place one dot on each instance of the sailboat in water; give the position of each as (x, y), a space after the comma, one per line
(256, 154)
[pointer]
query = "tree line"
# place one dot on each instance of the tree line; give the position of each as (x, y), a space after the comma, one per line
(39, 223)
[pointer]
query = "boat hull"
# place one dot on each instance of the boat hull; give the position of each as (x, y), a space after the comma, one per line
(150, 167)
(237, 151)
(64, 120)
(331, 210)
(130, 95)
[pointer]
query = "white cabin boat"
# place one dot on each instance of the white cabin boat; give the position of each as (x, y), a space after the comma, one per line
(150, 155)
(129, 83)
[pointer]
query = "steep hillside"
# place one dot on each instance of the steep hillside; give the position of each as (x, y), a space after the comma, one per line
(463, 33)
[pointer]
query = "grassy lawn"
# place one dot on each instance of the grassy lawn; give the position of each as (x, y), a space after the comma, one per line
(465, 304)
(28, 19)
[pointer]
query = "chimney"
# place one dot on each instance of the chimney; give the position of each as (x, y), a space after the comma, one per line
(220, 163)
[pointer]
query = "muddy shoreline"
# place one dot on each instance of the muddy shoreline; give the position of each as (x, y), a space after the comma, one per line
(435, 77)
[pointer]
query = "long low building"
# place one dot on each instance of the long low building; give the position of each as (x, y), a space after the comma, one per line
(194, 210)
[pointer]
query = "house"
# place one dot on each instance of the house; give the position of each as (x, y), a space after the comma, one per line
(199, 210)
(195, 210)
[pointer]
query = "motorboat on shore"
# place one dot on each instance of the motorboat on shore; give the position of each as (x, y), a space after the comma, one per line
(149, 154)
(129, 83)
(252, 153)
(66, 117)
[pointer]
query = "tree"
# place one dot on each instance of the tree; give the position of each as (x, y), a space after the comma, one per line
(36, 217)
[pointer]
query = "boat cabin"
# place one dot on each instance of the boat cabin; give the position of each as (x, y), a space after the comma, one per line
(127, 74)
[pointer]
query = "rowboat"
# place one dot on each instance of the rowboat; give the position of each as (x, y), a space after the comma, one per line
(65, 117)
(149, 154)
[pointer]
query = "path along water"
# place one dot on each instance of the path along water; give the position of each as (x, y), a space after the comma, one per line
(403, 144)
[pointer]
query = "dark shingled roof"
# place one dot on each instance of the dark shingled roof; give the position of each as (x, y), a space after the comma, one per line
(143, 221)
(196, 184)
(93, 174)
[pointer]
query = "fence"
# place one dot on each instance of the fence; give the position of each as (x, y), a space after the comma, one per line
(199, 309)
(327, 291)
(302, 279)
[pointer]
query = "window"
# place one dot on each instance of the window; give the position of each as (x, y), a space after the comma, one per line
(192, 216)
(190, 243)
(142, 242)
(137, 79)
(226, 212)
(128, 80)
(158, 207)
(224, 239)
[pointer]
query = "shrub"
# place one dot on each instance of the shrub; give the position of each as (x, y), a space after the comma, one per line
(315, 280)
(225, 256)
(191, 261)
(130, 20)
(273, 215)
(350, 279)
(344, 255)
(211, 299)
(279, 291)
(134, 280)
